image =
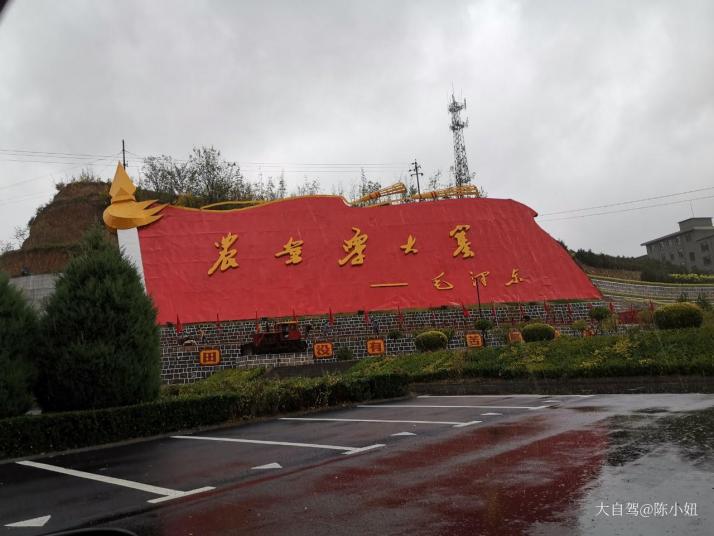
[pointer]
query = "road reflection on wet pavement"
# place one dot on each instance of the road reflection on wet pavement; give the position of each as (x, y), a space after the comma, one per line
(614, 464)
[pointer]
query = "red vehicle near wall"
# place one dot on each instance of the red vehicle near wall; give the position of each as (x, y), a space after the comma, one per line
(284, 337)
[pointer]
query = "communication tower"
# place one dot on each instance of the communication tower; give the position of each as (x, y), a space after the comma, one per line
(461, 166)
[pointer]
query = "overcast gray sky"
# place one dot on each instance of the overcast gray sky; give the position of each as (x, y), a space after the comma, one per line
(571, 104)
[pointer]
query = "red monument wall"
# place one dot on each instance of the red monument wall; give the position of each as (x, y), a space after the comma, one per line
(315, 254)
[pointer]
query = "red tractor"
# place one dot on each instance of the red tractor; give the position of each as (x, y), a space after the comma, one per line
(284, 337)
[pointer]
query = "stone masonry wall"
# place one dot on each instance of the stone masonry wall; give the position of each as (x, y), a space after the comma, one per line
(654, 291)
(180, 362)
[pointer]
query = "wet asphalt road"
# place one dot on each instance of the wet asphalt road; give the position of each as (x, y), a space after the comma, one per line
(537, 465)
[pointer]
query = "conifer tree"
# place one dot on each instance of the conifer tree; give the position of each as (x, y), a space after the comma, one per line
(18, 334)
(101, 343)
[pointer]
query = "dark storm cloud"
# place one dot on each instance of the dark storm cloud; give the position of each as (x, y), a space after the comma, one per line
(571, 104)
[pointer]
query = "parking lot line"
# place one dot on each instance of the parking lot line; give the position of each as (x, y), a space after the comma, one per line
(432, 406)
(456, 424)
(166, 493)
(501, 396)
(347, 450)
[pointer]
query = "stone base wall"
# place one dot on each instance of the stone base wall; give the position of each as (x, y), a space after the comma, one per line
(180, 361)
(658, 292)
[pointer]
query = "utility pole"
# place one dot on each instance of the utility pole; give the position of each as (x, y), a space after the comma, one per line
(416, 174)
(123, 154)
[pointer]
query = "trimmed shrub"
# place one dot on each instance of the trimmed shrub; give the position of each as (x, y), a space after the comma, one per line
(678, 315)
(18, 331)
(344, 354)
(538, 332)
(395, 334)
(100, 339)
(483, 324)
(430, 341)
(599, 313)
(579, 325)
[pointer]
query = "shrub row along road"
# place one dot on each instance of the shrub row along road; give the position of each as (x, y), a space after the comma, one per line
(428, 465)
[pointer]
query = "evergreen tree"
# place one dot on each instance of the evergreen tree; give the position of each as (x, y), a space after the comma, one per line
(101, 343)
(18, 334)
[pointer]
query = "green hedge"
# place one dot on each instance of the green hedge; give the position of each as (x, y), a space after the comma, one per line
(599, 313)
(26, 435)
(483, 324)
(650, 353)
(538, 332)
(678, 315)
(431, 340)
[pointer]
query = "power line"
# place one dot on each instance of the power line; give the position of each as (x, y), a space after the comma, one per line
(55, 161)
(23, 151)
(40, 156)
(243, 163)
(631, 209)
(627, 202)
(45, 175)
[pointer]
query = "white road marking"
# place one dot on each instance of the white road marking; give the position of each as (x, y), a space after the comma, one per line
(348, 450)
(36, 522)
(465, 424)
(453, 423)
(501, 396)
(167, 494)
(401, 434)
(491, 413)
(424, 406)
(268, 466)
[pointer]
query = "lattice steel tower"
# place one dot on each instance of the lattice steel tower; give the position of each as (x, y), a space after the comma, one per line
(461, 166)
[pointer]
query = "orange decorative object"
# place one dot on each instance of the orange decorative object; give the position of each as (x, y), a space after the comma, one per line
(474, 340)
(322, 350)
(376, 347)
(292, 248)
(354, 247)
(125, 212)
(210, 357)
(226, 256)
(458, 233)
(441, 285)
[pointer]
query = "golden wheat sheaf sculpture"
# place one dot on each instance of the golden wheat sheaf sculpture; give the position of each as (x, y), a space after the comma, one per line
(394, 189)
(454, 191)
(125, 212)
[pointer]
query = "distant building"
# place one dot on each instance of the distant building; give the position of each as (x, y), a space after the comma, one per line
(691, 247)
